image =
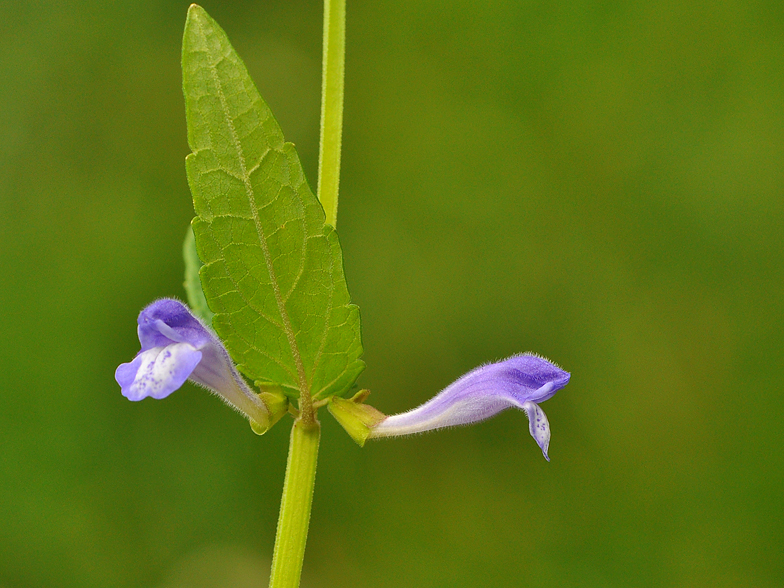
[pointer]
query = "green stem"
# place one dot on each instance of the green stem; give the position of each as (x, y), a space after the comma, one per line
(295, 505)
(297, 498)
(333, 68)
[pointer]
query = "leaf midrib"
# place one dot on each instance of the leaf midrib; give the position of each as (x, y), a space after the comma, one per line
(287, 328)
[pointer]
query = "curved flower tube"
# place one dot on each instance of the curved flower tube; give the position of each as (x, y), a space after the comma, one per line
(520, 381)
(177, 346)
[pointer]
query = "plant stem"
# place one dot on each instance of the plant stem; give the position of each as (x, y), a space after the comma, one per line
(332, 74)
(295, 505)
(297, 498)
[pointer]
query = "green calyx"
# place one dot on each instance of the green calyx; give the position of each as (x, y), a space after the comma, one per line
(356, 417)
(276, 402)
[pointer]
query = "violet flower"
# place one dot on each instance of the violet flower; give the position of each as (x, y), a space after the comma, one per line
(177, 346)
(521, 381)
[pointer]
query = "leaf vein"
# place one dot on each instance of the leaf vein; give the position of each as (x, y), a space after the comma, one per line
(302, 379)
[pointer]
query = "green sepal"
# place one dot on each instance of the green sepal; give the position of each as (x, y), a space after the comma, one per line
(277, 404)
(192, 284)
(357, 418)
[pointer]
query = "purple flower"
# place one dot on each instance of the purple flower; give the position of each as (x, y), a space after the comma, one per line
(521, 381)
(176, 346)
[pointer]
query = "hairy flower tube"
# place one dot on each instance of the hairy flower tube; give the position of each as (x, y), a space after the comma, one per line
(177, 346)
(521, 381)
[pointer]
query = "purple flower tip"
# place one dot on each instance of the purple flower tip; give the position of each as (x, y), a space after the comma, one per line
(522, 381)
(176, 346)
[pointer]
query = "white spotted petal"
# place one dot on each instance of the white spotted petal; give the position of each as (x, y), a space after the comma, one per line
(160, 371)
(538, 426)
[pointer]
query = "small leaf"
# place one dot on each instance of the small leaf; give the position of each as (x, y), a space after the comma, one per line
(273, 270)
(192, 284)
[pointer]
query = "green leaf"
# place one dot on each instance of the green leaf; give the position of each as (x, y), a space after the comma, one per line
(273, 270)
(192, 284)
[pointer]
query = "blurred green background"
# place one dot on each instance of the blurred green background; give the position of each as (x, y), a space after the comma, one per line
(599, 182)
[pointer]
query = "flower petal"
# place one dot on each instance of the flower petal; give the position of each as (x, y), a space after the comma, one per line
(170, 321)
(157, 372)
(538, 425)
